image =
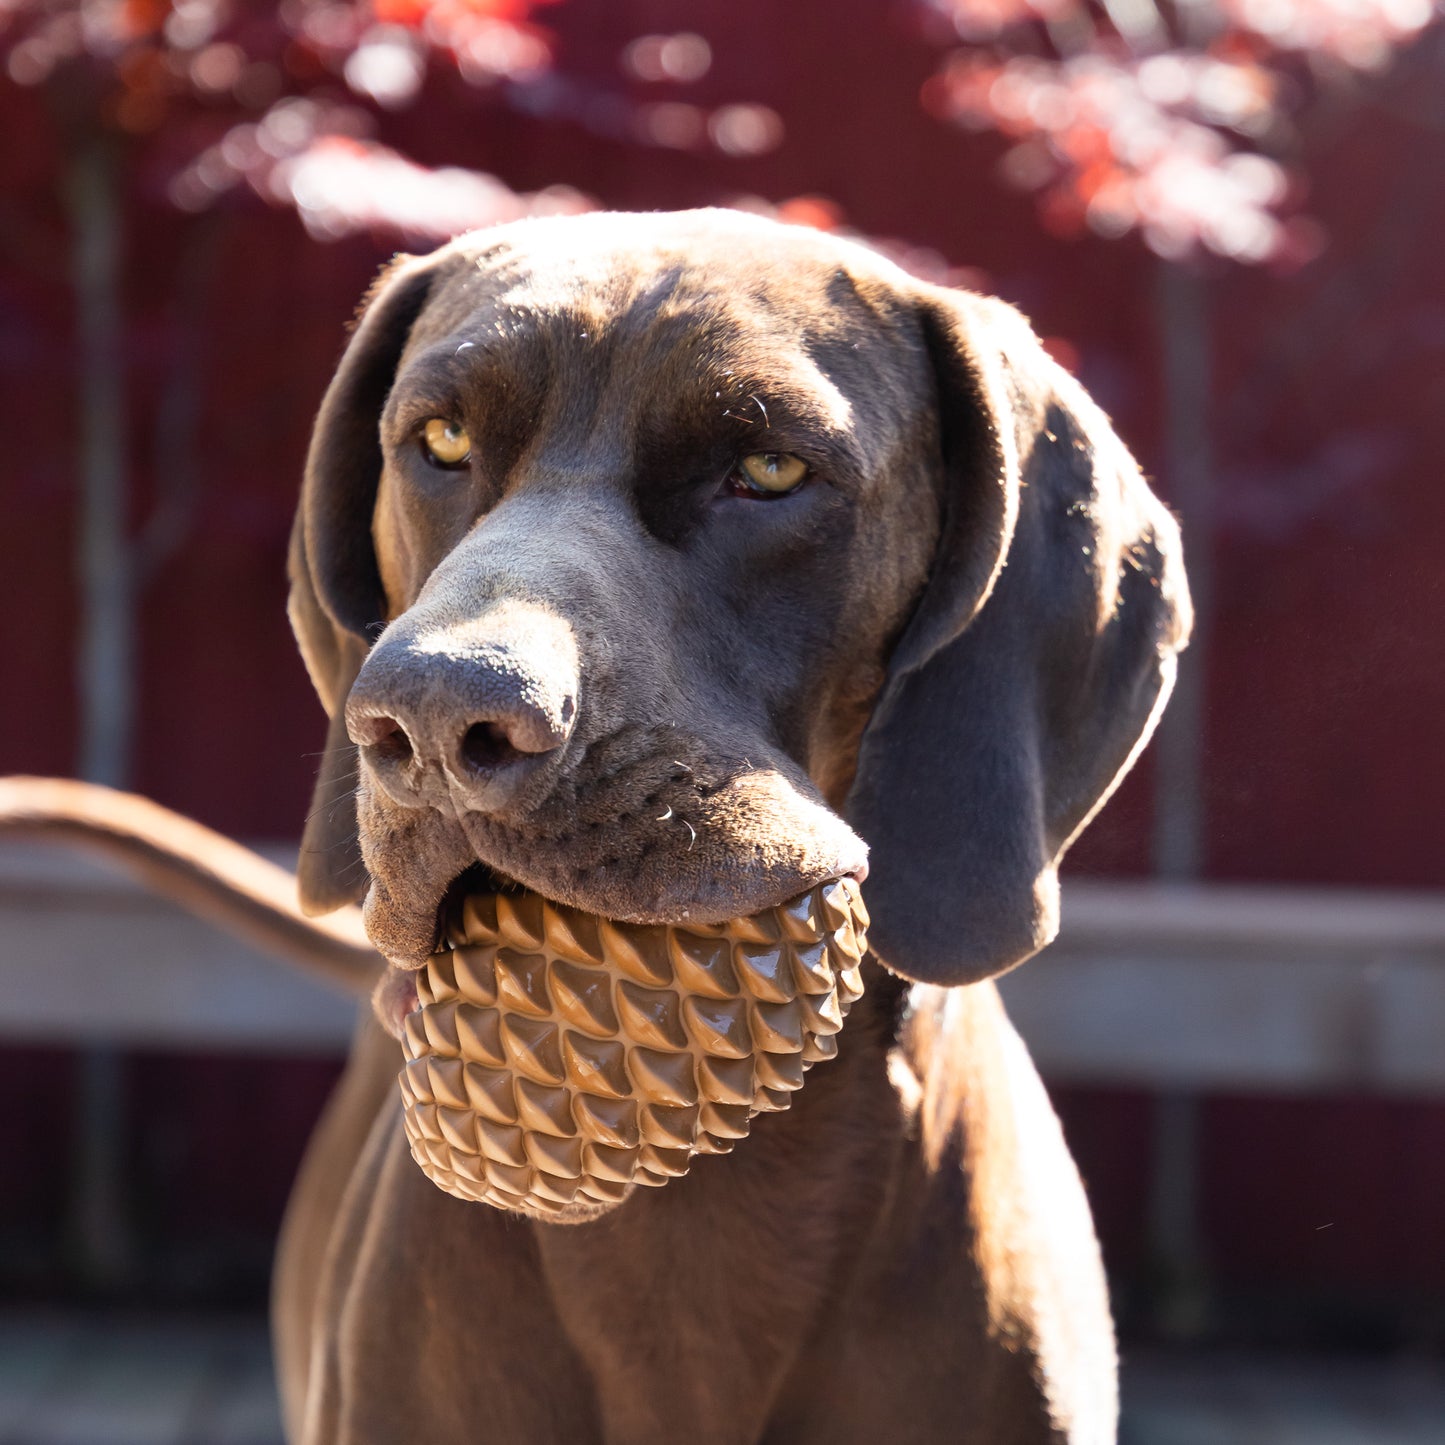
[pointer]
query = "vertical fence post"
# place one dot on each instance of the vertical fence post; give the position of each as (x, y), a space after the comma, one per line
(1182, 315)
(99, 1233)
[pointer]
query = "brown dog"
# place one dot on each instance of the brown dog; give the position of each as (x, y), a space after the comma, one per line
(703, 552)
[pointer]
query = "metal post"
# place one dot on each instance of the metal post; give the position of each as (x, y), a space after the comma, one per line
(1181, 309)
(98, 1229)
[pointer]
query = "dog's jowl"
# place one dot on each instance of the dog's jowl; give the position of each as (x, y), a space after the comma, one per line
(659, 574)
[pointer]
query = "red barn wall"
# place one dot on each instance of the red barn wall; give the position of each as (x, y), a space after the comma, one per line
(1325, 682)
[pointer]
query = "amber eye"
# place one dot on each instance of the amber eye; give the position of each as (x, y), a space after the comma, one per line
(771, 473)
(447, 443)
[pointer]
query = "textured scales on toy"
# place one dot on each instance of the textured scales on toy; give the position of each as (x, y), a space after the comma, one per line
(557, 1058)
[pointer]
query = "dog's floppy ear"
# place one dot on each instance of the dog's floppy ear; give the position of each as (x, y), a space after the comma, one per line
(336, 593)
(1033, 668)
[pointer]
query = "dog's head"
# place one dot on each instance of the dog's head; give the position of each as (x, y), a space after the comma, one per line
(671, 564)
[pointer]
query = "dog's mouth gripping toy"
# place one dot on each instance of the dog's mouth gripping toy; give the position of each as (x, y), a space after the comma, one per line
(555, 1058)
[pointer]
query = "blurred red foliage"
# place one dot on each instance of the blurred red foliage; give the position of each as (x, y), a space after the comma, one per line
(1169, 119)
(1175, 120)
(280, 98)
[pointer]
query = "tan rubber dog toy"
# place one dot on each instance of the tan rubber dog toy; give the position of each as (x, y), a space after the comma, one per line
(557, 1058)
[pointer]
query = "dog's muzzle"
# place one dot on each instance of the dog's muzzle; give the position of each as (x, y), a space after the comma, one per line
(556, 1059)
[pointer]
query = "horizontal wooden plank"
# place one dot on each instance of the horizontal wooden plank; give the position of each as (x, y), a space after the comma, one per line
(1216, 1020)
(1239, 988)
(1214, 988)
(1167, 915)
(87, 957)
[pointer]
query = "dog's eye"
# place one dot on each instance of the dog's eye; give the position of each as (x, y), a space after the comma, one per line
(769, 474)
(446, 443)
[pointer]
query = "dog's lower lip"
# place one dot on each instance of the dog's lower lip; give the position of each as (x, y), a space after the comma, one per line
(480, 877)
(396, 995)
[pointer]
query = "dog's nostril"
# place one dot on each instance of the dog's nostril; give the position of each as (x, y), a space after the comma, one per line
(486, 745)
(385, 736)
(394, 747)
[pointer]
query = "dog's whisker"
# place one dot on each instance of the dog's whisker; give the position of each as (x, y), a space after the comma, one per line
(339, 791)
(327, 807)
(339, 788)
(328, 752)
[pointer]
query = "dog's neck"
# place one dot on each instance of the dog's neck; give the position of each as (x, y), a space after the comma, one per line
(708, 1289)
(730, 1268)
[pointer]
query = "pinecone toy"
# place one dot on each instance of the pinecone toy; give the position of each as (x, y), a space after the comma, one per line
(557, 1058)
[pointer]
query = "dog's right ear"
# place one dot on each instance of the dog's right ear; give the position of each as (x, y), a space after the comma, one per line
(1034, 666)
(337, 599)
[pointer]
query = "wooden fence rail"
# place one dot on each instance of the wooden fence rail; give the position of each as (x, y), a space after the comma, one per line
(1182, 987)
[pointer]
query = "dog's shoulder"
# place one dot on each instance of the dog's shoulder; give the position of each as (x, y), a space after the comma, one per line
(993, 1173)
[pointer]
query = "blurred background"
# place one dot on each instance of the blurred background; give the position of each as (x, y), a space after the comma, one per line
(1223, 215)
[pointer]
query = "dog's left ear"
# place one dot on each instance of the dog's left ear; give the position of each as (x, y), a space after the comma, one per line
(329, 870)
(1034, 667)
(336, 593)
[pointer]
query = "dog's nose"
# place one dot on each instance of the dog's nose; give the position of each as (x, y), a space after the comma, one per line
(465, 717)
